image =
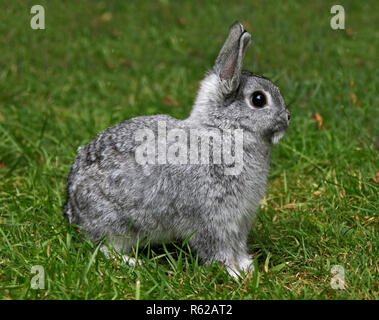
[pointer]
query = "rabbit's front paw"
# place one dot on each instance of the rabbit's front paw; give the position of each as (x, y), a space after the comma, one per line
(125, 258)
(130, 260)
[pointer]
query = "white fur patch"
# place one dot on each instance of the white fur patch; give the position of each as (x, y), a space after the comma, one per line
(209, 90)
(277, 136)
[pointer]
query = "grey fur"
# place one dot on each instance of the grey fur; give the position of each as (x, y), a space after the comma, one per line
(110, 195)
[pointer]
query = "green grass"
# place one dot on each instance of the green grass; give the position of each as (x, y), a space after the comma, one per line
(59, 87)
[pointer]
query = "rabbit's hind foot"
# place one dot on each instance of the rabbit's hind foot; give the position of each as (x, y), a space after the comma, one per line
(244, 267)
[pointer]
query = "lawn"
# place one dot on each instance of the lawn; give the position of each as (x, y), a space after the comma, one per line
(100, 62)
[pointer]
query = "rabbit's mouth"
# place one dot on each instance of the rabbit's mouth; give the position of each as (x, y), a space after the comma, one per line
(278, 133)
(276, 136)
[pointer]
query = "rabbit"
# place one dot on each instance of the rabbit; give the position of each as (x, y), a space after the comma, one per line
(111, 195)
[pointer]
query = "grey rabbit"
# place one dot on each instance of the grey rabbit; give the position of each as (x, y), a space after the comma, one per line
(113, 194)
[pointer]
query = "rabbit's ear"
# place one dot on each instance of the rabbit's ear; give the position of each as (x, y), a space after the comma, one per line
(228, 64)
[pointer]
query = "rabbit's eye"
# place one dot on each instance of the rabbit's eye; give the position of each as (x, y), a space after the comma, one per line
(258, 99)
